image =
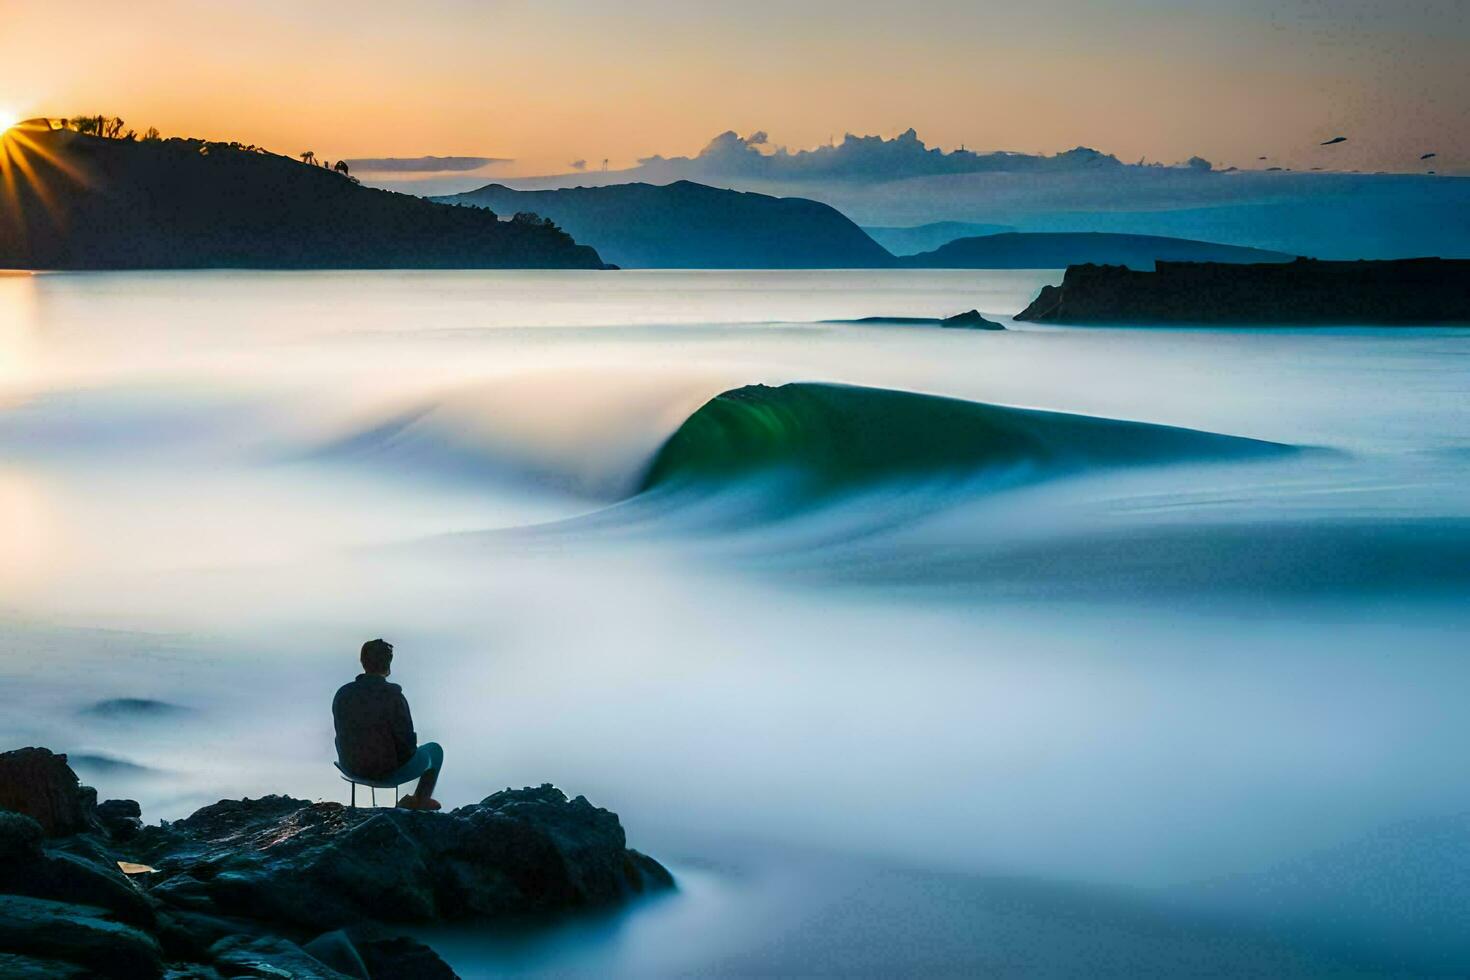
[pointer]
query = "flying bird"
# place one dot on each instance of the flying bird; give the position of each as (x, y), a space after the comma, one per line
(1335, 139)
(1429, 156)
(1260, 158)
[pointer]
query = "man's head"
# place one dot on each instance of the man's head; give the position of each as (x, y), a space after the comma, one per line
(377, 657)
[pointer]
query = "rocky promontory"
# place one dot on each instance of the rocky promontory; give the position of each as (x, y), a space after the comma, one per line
(968, 320)
(1306, 291)
(280, 886)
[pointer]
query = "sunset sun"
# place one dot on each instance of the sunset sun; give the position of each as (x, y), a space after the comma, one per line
(8, 118)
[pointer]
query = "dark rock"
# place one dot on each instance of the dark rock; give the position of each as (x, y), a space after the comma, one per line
(77, 934)
(121, 819)
(970, 319)
(337, 951)
(20, 838)
(184, 891)
(1307, 291)
(185, 936)
(63, 877)
(270, 957)
(39, 783)
(58, 875)
(16, 967)
(322, 865)
(401, 958)
(241, 881)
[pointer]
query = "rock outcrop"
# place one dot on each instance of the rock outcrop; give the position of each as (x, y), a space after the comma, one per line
(248, 887)
(970, 320)
(39, 783)
(1307, 291)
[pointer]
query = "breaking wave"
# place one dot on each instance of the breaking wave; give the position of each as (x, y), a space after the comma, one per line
(829, 437)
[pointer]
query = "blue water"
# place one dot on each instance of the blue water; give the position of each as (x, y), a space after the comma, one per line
(1094, 704)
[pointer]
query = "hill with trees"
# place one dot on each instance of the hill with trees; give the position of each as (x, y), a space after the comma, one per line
(85, 194)
(685, 225)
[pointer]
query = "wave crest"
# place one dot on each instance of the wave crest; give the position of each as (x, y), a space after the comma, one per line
(831, 437)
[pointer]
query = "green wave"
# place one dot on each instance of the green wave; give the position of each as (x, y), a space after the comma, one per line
(832, 437)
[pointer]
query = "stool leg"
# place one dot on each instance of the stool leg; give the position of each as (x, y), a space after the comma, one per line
(374, 790)
(395, 797)
(354, 795)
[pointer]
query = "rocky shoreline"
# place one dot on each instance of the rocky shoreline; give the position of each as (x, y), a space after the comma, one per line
(281, 887)
(1306, 291)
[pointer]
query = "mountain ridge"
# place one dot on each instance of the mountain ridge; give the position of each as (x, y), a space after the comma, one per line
(690, 225)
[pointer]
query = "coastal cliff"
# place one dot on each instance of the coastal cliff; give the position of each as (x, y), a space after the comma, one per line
(282, 887)
(1306, 291)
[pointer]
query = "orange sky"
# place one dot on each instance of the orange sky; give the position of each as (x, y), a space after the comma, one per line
(553, 81)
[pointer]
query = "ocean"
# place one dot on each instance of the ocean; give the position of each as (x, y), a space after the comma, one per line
(1038, 652)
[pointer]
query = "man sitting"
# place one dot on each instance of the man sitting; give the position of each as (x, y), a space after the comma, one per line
(375, 736)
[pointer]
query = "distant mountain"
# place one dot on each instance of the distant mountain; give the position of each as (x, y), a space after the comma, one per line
(685, 225)
(902, 181)
(1057, 250)
(83, 202)
(912, 239)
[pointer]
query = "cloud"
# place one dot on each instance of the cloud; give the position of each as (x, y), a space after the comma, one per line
(422, 165)
(855, 158)
(578, 164)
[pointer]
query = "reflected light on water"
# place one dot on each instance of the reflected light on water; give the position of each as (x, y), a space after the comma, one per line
(18, 324)
(29, 541)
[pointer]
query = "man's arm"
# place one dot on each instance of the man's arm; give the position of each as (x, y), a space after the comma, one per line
(405, 739)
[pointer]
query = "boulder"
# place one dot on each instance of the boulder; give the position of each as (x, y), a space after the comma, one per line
(323, 865)
(39, 783)
(64, 877)
(241, 882)
(401, 958)
(20, 838)
(16, 967)
(254, 956)
(337, 950)
(121, 819)
(58, 875)
(78, 934)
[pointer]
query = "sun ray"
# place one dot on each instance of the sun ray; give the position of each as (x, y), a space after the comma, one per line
(28, 170)
(20, 136)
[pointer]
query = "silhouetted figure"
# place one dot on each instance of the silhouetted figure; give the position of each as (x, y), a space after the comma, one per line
(375, 736)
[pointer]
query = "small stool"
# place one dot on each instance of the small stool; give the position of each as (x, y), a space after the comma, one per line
(373, 785)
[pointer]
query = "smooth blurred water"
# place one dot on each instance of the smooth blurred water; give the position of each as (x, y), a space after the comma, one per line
(1022, 722)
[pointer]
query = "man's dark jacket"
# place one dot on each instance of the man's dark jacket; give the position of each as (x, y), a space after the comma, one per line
(374, 727)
